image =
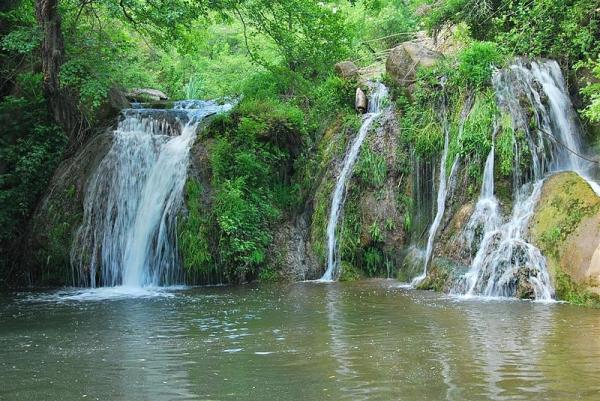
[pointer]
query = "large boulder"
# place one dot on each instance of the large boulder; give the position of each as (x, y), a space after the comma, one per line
(146, 95)
(405, 58)
(565, 226)
(347, 70)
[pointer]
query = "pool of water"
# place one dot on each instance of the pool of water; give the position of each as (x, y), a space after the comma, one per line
(370, 340)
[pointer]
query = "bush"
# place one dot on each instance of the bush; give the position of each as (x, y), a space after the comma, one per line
(30, 149)
(476, 63)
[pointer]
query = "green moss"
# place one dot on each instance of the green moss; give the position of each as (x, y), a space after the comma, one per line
(268, 274)
(436, 281)
(319, 218)
(565, 202)
(569, 291)
(569, 200)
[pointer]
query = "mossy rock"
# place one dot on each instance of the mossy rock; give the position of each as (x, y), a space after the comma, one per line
(55, 221)
(565, 227)
(441, 275)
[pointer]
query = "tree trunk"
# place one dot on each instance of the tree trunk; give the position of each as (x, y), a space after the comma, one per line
(62, 103)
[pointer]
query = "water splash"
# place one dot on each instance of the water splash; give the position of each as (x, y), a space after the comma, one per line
(535, 96)
(128, 234)
(486, 217)
(378, 94)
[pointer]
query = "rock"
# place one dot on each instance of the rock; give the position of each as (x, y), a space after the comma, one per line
(112, 106)
(406, 58)
(145, 95)
(360, 102)
(565, 228)
(347, 70)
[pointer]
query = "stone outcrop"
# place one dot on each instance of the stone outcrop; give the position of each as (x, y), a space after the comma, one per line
(566, 228)
(405, 58)
(146, 95)
(347, 70)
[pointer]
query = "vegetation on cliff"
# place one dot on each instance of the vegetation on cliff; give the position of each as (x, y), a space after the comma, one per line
(273, 159)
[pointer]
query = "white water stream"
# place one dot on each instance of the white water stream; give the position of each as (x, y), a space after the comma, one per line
(128, 234)
(506, 264)
(378, 94)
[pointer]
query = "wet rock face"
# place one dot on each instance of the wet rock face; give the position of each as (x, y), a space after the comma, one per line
(565, 228)
(406, 58)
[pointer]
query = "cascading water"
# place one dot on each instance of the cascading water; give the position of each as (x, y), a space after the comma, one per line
(128, 234)
(535, 96)
(486, 216)
(442, 191)
(378, 94)
(441, 206)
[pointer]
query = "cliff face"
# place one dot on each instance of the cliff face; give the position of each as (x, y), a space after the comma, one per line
(374, 226)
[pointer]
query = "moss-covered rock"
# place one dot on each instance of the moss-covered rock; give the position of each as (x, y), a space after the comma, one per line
(566, 228)
(46, 257)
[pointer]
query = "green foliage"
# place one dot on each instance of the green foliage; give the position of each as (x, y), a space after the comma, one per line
(592, 92)
(30, 149)
(370, 168)
(567, 31)
(309, 36)
(375, 232)
(476, 137)
(348, 272)
(567, 290)
(476, 62)
(504, 146)
(373, 260)
(192, 231)
(423, 131)
(252, 162)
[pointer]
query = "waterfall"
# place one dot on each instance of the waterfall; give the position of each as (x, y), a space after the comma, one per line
(442, 191)
(378, 94)
(486, 216)
(128, 233)
(441, 206)
(535, 96)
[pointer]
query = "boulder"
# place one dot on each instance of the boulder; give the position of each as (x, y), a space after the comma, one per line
(360, 102)
(405, 58)
(347, 70)
(111, 107)
(145, 95)
(565, 228)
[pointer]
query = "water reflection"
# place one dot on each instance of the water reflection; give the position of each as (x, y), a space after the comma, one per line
(362, 341)
(507, 340)
(348, 378)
